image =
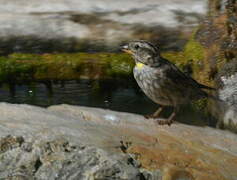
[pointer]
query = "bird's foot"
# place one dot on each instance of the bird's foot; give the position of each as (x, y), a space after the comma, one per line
(161, 121)
(167, 121)
(164, 121)
(149, 116)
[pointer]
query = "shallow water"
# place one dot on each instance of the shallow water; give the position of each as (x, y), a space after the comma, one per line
(119, 96)
(83, 92)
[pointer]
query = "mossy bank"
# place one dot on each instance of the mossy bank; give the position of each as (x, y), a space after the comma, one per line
(20, 67)
(32, 67)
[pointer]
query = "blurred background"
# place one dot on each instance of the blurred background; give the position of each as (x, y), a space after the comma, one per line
(66, 51)
(78, 25)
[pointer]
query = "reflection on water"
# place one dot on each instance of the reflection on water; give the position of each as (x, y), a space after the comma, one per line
(104, 94)
(84, 92)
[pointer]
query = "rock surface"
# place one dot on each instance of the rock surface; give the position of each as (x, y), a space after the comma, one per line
(72, 142)
(130, 12)
(63, 25)
(210, 57)
(228, 94)
(216, 40)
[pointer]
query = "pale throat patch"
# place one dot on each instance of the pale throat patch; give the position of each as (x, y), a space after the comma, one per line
(139, 65)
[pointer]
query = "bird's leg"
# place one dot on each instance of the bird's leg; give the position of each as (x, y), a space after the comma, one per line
(155, 114)
(169, 120)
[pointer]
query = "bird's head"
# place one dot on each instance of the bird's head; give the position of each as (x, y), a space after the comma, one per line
(143, 52)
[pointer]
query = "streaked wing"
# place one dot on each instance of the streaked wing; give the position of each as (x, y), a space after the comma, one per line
(180, 86)
(179, 77)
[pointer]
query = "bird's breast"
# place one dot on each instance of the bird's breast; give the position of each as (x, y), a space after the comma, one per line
(152, 83)
(143, 72)
(147, 78)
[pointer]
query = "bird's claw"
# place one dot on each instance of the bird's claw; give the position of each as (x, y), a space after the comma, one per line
(164, 122)
(148, 116)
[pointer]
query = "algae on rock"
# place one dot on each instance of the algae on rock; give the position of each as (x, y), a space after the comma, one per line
(32, 67)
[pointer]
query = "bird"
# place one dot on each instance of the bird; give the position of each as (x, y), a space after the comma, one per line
(162, 81)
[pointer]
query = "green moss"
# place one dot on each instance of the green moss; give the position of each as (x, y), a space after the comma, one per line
(200, 104)
(121, 65)
(193, 54)
(66, 66)
(11, 69)
(25, 57)
(21, 67)
(177, 58)
(194, 51)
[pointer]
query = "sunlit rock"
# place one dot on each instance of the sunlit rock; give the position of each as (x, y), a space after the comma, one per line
(73, 142)
(228, 93)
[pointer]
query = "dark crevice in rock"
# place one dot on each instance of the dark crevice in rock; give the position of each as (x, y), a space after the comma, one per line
(37, 164)
(124, 146)
(131, 161)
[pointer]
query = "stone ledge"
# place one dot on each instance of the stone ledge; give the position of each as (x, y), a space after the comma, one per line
(179, 151)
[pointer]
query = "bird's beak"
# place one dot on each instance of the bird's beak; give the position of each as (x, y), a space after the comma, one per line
(125, 48)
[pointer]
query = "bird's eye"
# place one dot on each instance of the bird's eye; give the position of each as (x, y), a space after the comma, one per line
(136, 46)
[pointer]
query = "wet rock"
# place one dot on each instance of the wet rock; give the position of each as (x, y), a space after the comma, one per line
(211, 55)
(73, 142)
(228, 93)
(49, 26)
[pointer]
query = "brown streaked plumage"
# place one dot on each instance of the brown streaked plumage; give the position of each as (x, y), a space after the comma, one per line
(161, 80)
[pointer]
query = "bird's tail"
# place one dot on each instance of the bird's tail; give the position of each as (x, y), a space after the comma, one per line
(206, 87)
